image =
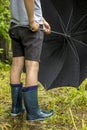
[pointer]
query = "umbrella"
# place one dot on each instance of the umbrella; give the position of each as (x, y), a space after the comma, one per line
(63, 58)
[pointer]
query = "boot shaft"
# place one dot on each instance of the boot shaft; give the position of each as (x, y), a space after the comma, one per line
(16, 96)
(31, 101)
(32, 108)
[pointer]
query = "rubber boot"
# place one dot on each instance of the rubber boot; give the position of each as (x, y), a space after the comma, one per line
(16, 95)
(32, 109)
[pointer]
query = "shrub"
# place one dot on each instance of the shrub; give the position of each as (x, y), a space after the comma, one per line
(4, 19)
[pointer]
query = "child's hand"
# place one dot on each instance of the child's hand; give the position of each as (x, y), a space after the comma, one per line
(34, 26)
(46, 27)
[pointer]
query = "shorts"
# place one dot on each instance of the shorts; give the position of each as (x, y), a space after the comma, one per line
(26, 43)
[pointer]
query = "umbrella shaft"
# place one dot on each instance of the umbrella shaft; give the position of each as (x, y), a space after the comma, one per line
(58, 33)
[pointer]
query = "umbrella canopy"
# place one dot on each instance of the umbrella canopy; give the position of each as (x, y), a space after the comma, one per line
(63, 58)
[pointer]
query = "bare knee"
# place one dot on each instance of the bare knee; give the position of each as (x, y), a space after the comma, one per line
(32, 68)
(18, 61)
(32, 65)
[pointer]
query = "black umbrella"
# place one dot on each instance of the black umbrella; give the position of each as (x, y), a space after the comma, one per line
(63, 59)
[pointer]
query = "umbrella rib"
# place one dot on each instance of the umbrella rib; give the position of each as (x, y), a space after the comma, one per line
(78, 23)
(78, 41)
(67, 27)
(75, 50)
(79, 33)
(72, 47)
(61, 23)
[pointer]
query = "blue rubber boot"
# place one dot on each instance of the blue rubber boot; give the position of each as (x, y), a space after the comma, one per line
(32, 109)
(16, 95)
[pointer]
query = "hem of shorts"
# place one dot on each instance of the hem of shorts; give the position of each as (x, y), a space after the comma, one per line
(32, 59)
(27, 58)
(14, 56)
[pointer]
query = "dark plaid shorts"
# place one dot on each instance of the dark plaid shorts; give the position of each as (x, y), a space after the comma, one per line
(26, 43)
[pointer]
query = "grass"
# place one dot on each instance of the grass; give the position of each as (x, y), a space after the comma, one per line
(68, 103)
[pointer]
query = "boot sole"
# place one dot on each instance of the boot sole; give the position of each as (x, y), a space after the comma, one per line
(14, 115)
(41, 119)
(22, 111)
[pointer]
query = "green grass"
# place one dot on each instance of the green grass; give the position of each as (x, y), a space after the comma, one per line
(69, 104)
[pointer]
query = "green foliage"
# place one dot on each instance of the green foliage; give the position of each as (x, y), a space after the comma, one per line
(4, 66)
(1, 50)
(4, 18)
